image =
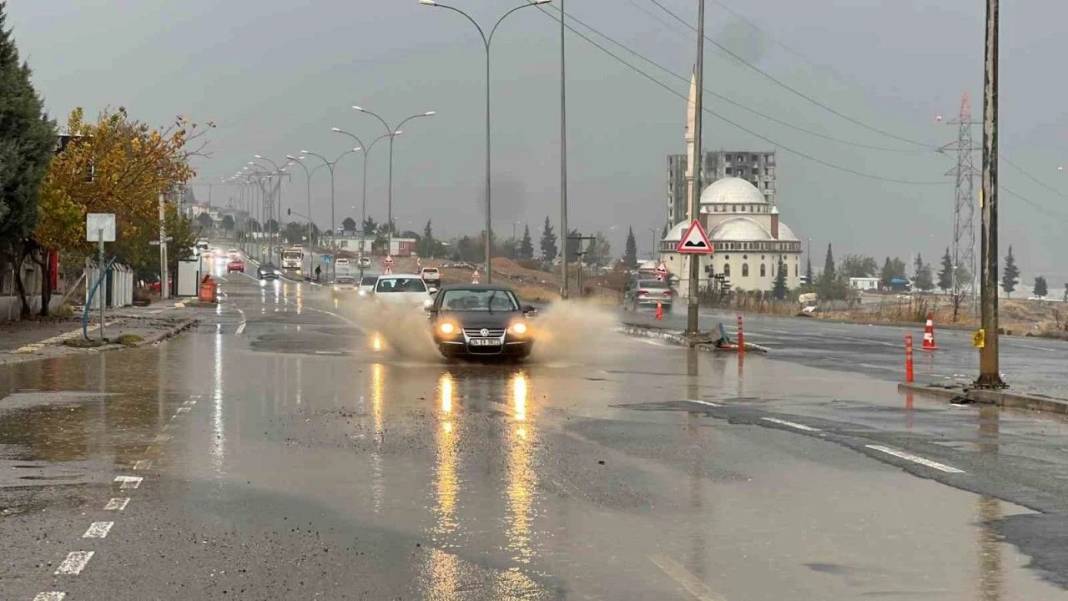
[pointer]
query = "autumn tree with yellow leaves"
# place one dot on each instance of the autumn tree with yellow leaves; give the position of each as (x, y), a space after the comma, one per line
(118, 165)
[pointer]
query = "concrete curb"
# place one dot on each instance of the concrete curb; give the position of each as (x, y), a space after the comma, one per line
(1000, 398)
(178, 328)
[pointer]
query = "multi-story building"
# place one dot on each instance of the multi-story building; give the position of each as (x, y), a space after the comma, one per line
(757, 168)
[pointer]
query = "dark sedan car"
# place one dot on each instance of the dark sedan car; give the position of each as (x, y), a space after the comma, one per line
(481, 321)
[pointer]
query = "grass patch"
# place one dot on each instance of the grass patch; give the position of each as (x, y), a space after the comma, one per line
(129, 340)
(83, 343)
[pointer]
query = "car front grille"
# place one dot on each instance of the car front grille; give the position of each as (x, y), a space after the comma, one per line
(490, 332)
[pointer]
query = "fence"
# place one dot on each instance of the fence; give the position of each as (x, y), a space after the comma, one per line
(118, 288)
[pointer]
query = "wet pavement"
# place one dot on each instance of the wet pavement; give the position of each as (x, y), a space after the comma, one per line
(1028, 364)
(301, 445)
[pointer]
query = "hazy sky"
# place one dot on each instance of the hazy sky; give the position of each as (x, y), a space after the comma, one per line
(276, 75)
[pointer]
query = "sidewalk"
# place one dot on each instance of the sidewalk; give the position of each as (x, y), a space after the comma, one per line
(31, 340)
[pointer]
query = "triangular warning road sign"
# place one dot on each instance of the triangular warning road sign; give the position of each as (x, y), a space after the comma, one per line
(694, 241)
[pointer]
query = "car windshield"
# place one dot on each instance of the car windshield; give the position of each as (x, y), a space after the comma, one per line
(400, 285)
(652, 284)
(479, 300)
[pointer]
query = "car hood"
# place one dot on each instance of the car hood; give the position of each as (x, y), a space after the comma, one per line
(481, 319)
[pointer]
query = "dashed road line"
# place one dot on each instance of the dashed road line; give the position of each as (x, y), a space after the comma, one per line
(74, 563)
(692, 584)
(949, 469)
(706, 403)
(162, 438)
(793, 425)
(50, 596)
(142, 464)
(127, 482)
(98, 530)
(117, 504)
(182, 410)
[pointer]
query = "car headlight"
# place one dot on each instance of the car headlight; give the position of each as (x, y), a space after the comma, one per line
(518, 328)
(447, 328)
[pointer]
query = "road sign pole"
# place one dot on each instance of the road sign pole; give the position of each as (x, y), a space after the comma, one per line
(103, 277)
(695, 199)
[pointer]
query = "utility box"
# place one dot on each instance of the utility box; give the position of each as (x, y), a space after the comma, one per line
(188, 278)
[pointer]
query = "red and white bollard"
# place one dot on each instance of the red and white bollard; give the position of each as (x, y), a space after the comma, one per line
(909, 376)
(474, 277)
(928, 334)
(741, 337)
(659, 311)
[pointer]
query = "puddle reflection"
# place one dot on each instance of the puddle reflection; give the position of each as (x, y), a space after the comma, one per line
(378, 488)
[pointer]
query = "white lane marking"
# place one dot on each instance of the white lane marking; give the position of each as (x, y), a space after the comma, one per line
(684, 578)
(50, 596)
(794, 425)
(74, 563)
(162, 437)
(117, 504)
(143, 464)
(98, 530)
(183, 410)
(129, 481)
(244, 322)
(329, 353)
(949, 469)
(708, 403)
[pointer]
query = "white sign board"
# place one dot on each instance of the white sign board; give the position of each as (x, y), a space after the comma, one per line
(95, 222)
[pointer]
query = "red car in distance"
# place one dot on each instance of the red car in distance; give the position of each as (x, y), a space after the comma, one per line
(235, 264)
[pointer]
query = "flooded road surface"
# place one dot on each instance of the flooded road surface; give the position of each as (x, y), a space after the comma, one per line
(300, 445)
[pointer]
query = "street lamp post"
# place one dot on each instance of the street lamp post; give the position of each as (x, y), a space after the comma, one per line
(391, 133)
(652, 251)
(276, 202)
(366, 153)
(486, 41)
(333, 225)
(307, 179)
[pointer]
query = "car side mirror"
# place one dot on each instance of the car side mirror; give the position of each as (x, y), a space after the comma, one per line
(428, 305)
(432, 291)
(529, 311)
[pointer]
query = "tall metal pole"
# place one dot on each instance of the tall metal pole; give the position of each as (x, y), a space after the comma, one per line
(389, 201)
(363, 211)
(333, 226)
(489, 203)
(695, 202)
(103, 277)
(563, 155)
(989, 369)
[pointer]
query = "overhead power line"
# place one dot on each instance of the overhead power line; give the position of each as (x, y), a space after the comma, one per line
(738, 104)
(792, 89)
(785, 147)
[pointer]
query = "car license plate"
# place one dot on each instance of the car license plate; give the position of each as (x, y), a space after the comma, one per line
(485, 342)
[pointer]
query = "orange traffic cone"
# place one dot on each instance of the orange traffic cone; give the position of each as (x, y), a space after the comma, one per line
(659, 312)
(928, 334)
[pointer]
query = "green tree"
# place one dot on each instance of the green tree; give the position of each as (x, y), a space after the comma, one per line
(526, 246)
(294, 232)
(779, 290)
(1041, 289)
(573, 245)
(630, 255)
(857, 266)
(830, 286)
(921, 277)
(808, 271)
(599, 251)
(549, 249)
(892, 269)
(27, 140)
(370, 227)
(271, 226)
(228, 223)
(1010, 275)
(205, 221)
(348, 224)
(945, 275)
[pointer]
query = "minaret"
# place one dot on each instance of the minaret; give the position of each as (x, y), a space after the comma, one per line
(691, 117)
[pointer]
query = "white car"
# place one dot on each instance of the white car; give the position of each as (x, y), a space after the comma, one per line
(432, 276)
(366, 286)
(402, 289)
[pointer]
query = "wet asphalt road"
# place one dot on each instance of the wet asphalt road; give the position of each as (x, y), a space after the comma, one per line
(300, 445)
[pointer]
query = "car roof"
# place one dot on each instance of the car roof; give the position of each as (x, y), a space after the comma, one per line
(477, 287)
(401, 275)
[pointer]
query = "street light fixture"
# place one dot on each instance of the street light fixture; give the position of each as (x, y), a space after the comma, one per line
(330, 166)
(486, 42)
(307, 179)
(391, 133)
(366, 153)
